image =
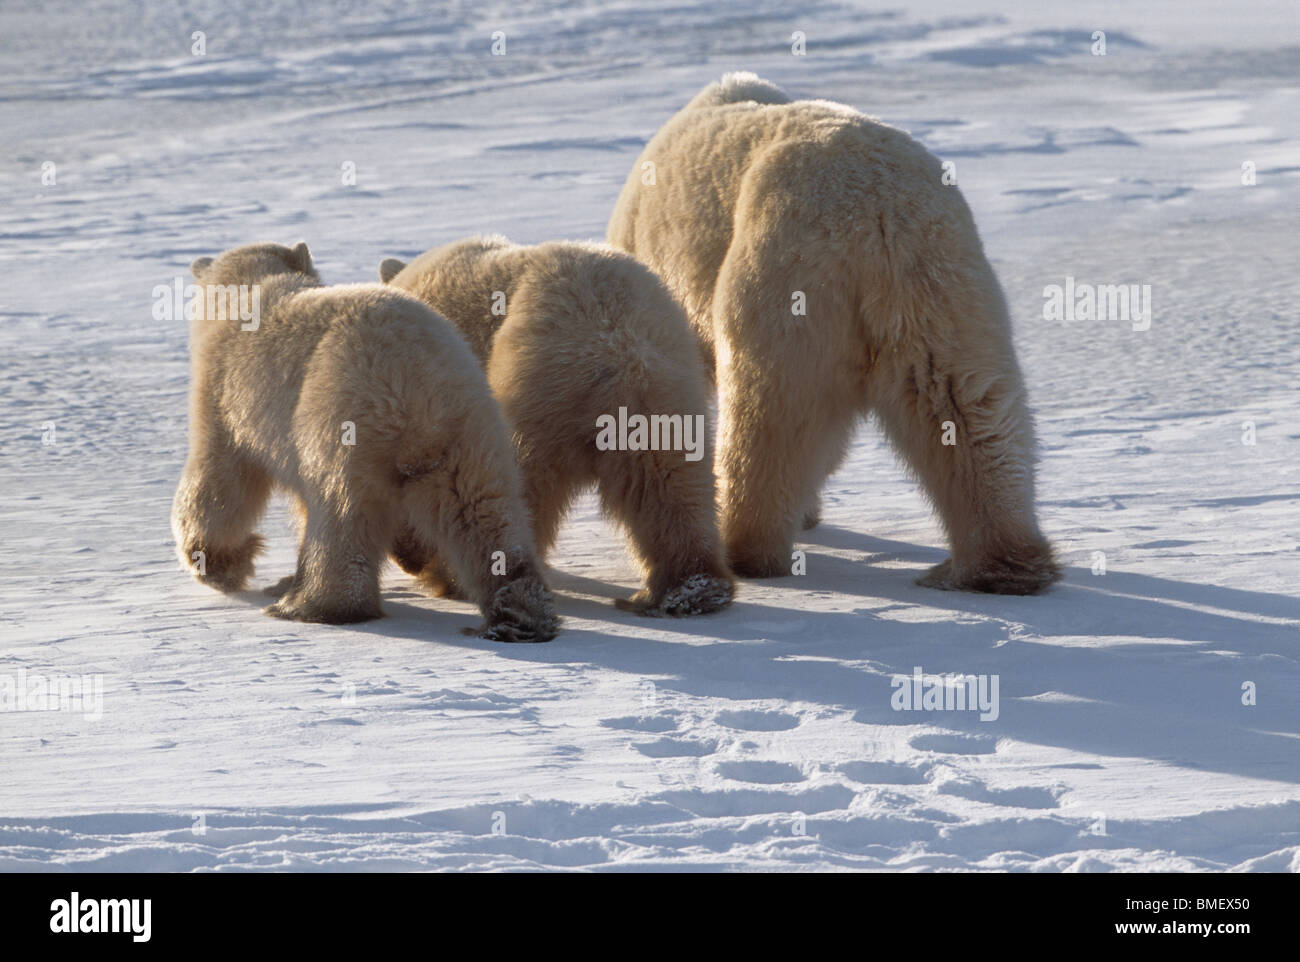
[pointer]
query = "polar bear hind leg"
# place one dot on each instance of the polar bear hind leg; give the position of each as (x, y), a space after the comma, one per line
(790, 392)
(951, 399)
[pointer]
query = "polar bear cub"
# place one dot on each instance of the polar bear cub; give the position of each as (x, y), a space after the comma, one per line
(584, 347)
(371, 411)
(831, 271)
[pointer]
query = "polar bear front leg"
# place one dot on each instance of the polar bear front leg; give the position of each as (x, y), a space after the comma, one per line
(337, 581)
(666, 504)
(505, 581)
(479, 538)
(420, 560)
(834, 457)
(218, 502)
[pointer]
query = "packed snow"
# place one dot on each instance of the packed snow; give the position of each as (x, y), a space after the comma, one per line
(1148, 711)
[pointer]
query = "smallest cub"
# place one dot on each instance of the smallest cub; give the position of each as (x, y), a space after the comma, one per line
(371, 411)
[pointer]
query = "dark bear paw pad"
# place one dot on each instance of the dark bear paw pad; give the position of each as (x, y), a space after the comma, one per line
(697, 595)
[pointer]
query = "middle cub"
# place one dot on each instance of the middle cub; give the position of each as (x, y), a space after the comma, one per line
(578, 340)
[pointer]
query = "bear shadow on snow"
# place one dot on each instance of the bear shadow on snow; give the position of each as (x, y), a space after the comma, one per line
(1127, 699)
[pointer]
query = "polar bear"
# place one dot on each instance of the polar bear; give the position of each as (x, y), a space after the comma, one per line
(370, 410)
(831, 273)
(576, 338)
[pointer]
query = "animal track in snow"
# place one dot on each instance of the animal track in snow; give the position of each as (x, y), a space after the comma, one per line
(761, 772)
(757, 721)
(884, 773)
(956, 744)
(676, 748)
(642, 723)
(1029, 796)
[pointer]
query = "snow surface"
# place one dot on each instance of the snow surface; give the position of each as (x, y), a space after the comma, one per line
(761, 738)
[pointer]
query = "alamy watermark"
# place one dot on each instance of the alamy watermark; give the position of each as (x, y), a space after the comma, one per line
(1098, 302)
(215, 302)
(76, 915)
(956, 692)
(24, 692)
(656, 432)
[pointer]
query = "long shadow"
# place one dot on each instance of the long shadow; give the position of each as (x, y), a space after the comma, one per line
(1120, 602)
(1114, 665)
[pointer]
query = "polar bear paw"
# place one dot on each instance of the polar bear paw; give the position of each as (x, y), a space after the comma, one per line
(293, 607)
(1027, 571)
(699, 594)
(522, 611)
(226, 569)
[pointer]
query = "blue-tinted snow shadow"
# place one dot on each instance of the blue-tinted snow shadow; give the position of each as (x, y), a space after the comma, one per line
(1112, 665)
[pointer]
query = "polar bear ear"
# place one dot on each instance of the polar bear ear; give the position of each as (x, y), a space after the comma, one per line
(199, 265)
(300, 257)
(389, 268)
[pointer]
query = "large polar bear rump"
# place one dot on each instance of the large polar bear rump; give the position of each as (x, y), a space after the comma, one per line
(580, 341)
(830, 273)
(369, 409)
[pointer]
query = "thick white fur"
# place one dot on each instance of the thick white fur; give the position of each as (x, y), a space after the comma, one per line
(586, 329)
(431, 456)
(754, 198)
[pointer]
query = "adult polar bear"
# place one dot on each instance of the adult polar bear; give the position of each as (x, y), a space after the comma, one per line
(751, 207)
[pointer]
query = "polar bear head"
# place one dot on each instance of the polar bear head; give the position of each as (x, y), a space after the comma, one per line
(248, 264)
(461, 252)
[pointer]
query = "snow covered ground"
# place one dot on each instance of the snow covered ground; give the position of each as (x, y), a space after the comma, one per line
(761, 738)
